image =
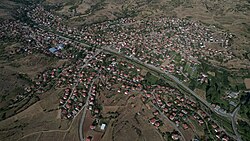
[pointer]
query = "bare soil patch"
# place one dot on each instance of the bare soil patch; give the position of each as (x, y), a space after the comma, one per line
(201, 93)
(247, 83)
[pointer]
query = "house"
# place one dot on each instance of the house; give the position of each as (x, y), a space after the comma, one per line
(156, 113)
(89, 138)
(152, 121)
(96, 111)
(92, 127)
(185, 126)
(60, 46)
(171, 117)
(157, 124)
(175, 137)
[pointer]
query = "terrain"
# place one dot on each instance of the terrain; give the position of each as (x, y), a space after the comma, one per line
(97, 91)
(228, 15)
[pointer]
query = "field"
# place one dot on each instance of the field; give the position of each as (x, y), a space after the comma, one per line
(17, 72)
(5, 7)
(201, 93)
(36, 117)
(131, 119)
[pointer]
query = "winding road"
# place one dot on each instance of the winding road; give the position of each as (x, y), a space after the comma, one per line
(234, 120)
(107, 49)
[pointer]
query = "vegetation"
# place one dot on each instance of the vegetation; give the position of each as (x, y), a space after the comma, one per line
(245, 106)
(223, 122)
(244, 129)
(150, 79)
(218, 84)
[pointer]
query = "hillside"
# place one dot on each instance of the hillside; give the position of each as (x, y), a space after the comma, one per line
(90, 74)
(229, 15)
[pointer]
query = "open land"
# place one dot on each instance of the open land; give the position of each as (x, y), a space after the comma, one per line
(124, 70)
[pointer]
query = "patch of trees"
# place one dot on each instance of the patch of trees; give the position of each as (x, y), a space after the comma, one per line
(244, 129)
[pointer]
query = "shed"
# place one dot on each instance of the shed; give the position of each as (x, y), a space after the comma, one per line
(103, 126)
(53, 50)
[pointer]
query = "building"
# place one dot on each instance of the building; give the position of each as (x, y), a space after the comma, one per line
(53, 50)
(89, 138)
(103, 126)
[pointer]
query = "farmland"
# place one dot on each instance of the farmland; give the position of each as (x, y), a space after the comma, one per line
(124, 70)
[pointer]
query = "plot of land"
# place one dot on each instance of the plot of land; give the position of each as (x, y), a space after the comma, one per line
(247, 83)
(200, 93)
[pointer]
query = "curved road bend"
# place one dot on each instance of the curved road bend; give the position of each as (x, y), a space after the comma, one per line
(234, 123)
(230, 116)
(107, 49)
(227, 115)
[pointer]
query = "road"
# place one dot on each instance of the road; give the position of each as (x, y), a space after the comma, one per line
(151, 67)
(84, 111)
(164, 116)
(169, 75)
(85, 64)
(107, 49)
(172, 124)
(234, 123)
(175, 79)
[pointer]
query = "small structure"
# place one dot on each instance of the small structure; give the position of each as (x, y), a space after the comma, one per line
(103, 126)
(60, 46)
(175, 137)
(89, 138)
(53, 50)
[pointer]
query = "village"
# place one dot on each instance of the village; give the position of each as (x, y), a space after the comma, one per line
(166, 43)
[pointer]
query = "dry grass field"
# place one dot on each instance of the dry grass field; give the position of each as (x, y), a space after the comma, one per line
(33, 116)
(5, 9)
(38, 119)
(201, 93)
(129, 125)
(17, 71)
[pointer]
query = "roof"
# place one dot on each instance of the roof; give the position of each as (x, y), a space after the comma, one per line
(60, 46)
(52, 50)
(88, 138)
(103, 126)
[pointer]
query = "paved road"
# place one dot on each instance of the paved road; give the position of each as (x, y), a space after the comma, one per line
(151, 67)
(234, 123)
(174, 125)
(107, 49)
(164, 116)
(85, 64)
(229, 116)
(84, 112)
